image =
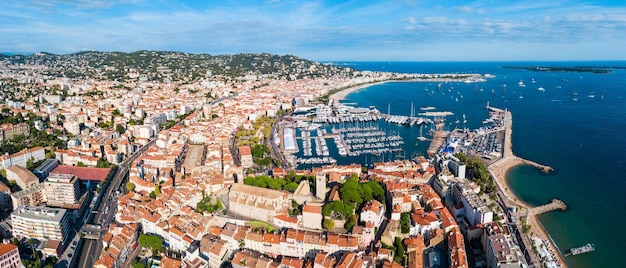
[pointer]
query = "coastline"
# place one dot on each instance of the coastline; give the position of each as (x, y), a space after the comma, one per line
(341, 95)
(499, 171)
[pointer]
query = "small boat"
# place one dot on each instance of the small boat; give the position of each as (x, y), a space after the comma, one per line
(574, 99)
(464, 120)
(521, 97)
(532, 80)
(591, 95)
(541, 89)
(521, 83)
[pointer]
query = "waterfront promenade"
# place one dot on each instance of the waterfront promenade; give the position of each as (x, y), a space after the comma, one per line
(499, 170)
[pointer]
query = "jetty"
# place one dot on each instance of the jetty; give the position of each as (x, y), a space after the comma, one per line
(498, 170)
(555, 204)
(580, 250)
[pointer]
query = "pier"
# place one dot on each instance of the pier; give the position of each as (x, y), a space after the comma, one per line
(555, 204)
(580, 250)
(439, 137)
(544, 168)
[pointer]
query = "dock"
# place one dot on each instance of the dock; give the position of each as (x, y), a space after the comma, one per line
(439, 137)
(580, 250)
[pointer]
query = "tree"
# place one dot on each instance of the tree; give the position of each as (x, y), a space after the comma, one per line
(328, 224)
(80, 164)
(30, 164)
(291, 187)
(102, 163)
(337, 209)
(120, 129)
(400, 256)
(157, 190)
(153, 242)
(3, 172)
(405, 222)
(350, 222)
(351, 192)
(130, 186)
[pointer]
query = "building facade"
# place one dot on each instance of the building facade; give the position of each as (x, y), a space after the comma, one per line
(40, 223)
(10, 256)
(22, 176)
(61, 189)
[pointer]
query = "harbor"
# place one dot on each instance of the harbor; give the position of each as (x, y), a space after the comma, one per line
(321, 134)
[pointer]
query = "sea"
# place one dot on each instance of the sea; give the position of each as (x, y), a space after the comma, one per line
(576, 123)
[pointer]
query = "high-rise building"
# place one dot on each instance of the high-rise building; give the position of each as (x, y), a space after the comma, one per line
(61, 189)
(40, 223)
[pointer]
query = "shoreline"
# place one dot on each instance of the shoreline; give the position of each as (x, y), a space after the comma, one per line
(499, 171)
(341, 95)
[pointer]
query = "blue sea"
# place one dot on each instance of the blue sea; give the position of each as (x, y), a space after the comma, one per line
(583, 139)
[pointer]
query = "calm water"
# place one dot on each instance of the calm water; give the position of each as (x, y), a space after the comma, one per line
(583, 140)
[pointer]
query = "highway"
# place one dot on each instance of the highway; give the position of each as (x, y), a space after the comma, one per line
(106, 209)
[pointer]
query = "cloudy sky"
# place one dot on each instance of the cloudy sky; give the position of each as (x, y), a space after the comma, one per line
(363, 30)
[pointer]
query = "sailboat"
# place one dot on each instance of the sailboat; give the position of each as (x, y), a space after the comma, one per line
(421, 137)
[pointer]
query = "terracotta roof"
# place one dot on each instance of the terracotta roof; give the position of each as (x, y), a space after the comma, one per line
(6, 248)
(83, 173)
(312, 209)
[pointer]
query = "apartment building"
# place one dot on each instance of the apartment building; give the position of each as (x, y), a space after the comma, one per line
(61, 189)
(40, 223)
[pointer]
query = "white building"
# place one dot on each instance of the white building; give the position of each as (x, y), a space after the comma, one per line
(20, 158)
(61, 189)
(40, 223)
(373, 212)
(476, 211)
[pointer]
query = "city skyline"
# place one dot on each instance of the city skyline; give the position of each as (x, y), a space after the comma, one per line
(323, 30)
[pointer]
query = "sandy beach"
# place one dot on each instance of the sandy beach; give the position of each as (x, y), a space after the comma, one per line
(499, 171)
(341, 95)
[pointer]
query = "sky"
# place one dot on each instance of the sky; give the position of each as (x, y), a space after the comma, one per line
(363, 30)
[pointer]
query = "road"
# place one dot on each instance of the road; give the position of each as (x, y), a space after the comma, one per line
(108, 203)
(106, 208)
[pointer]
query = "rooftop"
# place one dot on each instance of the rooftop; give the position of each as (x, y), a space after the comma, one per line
(40, 213)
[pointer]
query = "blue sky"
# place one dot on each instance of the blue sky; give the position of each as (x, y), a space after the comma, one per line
(366, 30)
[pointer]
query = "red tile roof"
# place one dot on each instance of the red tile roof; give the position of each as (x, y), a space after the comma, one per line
(83, 173)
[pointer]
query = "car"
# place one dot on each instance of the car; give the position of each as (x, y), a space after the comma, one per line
(74, 243)
(69, 255)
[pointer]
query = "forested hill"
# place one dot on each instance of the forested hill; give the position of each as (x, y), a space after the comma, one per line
(172, 66)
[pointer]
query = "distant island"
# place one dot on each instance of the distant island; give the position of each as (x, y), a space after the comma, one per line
(578, 69)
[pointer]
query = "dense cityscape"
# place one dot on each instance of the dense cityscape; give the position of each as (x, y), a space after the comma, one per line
(162, 159)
